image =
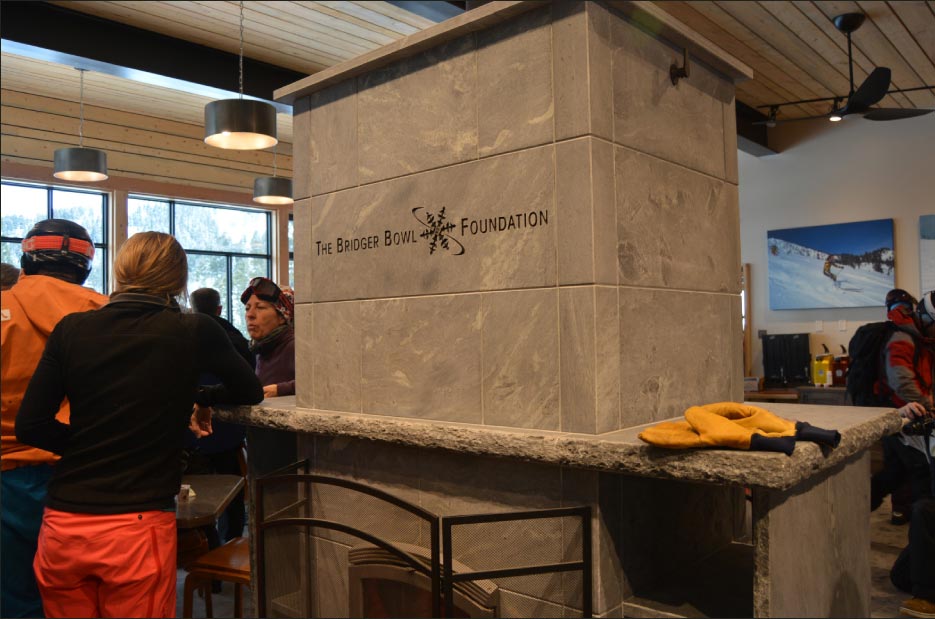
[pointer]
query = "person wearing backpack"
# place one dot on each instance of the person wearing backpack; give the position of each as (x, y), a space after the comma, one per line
(906, 376)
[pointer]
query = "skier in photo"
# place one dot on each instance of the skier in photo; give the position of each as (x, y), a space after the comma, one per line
(831, 261)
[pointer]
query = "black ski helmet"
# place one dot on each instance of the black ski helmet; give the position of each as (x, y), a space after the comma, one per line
(897, 296)
(60, 248)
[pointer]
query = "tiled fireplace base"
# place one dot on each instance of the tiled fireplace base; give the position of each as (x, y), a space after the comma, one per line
(667, 526)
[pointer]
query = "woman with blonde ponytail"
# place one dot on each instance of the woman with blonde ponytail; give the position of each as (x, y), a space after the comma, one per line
(130, 371)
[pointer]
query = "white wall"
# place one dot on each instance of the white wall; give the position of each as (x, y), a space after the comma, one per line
(828, 173)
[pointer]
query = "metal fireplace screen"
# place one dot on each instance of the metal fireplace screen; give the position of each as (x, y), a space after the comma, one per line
(332, 547)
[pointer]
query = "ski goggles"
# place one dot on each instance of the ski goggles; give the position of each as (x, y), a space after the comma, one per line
(266, 290)
(58, 243)
(263, 288)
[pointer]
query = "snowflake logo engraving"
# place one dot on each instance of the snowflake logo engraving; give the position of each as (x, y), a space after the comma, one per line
(437, 229)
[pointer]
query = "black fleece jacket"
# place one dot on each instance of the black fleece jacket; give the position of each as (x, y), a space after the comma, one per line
(130, 371)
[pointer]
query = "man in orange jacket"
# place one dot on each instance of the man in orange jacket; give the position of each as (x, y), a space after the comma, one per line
(57, 256)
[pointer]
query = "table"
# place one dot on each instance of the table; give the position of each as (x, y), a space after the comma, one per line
(772, 395)
(213, 493)
(835, 396)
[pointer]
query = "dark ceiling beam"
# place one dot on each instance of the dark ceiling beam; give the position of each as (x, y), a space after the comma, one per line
(52, 27)
(752, 139)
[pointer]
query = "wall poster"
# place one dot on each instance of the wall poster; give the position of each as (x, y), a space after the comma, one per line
(838, 265)
(927, 253)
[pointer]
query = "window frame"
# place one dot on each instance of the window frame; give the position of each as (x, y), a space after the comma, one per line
(100, 245)
(269, 256)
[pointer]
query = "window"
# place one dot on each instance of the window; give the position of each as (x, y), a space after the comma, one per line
(24, 205)
(227, 246)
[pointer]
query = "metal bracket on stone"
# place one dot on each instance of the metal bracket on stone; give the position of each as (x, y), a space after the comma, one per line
(676, 72)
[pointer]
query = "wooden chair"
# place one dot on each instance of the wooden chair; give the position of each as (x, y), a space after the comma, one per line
(230, 563)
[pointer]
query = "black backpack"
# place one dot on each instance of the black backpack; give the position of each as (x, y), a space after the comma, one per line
(865, 363)
(865, 357)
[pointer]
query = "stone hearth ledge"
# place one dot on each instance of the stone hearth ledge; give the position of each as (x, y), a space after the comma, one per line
(617, 452)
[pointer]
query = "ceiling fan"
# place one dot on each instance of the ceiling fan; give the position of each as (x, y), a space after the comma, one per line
(859, 100)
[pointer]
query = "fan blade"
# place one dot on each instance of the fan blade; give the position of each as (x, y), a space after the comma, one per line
(894, 113)
(869, 92)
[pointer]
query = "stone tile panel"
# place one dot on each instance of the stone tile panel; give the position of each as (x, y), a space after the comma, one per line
(575, 212)
(683, 123)
(604, 207)
(331, 578)
(422, 357)
(675, 228)
(302, 231)
(514, 84)
(600, 70)
(521, 358)
(333, 138)
(301, 141)
(601, 491)
(570, 69)
(681, 361)
(335, 349)
(304, 355)
(418, 113)
(466, 484)
(389, 468)
(607, 359)
(835, 580)
(470, 485)
(577, 329)
(497, 231)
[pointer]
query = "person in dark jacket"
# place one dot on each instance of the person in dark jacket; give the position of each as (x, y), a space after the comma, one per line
(219, 452)
(909, 371)
(914, 569)
(107, 547)
(269, 312)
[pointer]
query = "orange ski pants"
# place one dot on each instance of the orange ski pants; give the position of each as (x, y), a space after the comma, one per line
(119, 565)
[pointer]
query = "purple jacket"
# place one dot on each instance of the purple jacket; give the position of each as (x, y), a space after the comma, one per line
(275, 363)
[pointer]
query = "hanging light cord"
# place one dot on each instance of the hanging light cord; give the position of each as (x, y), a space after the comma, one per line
(275, 149)
(241, 49)
(81, 110)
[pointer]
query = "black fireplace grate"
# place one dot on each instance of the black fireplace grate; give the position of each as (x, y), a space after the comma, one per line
(298, 513)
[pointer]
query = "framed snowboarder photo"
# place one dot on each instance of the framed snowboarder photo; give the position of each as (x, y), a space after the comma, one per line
(838, 265)
(927, 252)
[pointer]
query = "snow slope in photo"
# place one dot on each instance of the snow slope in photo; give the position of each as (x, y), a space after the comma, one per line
(796, 280)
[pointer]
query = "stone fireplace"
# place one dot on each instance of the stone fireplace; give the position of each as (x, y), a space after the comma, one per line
(517, 241)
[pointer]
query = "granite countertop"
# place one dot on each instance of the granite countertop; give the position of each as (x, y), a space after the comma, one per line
(620, 451)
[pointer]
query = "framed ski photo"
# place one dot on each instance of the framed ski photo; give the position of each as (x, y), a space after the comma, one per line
(927, 252)
(838, 265)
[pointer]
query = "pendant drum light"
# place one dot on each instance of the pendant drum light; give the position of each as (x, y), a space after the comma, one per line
(86, 165)
(272, 189)
(240, 124)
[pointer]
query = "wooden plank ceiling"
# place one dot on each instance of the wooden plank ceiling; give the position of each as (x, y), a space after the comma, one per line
(797, 53)
(49, 79)
(792, 46)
